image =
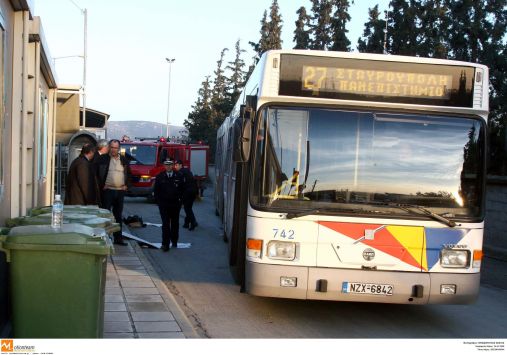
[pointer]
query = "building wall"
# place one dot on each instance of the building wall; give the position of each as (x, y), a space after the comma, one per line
(26, 139)
(28, 133)
(68, 113)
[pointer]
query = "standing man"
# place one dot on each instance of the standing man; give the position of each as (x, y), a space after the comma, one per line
(100, 153)
(189, 194)
(168, 191)
(114, 178)
(80, 185)
(102, 147)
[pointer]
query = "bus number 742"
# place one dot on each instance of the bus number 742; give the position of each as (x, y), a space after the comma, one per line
(282, 233)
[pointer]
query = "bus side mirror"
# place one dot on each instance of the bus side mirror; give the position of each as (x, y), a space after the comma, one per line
(246, 138)
(242, 133)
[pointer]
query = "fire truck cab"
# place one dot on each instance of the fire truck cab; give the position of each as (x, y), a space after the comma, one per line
(146, 157)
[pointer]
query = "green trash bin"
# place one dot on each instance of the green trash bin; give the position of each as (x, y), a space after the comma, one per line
(57, 280)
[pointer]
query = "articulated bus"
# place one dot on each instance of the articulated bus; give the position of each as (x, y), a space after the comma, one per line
(356, 177)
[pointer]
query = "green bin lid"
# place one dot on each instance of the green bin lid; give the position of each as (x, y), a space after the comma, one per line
(70, 237)
(86, 219)
(96, 210)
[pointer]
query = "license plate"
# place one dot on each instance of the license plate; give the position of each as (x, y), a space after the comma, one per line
(368, 289)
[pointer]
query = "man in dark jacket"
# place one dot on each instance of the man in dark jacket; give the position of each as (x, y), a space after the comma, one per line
(114, 178)
(190, 191)
(80, 186)
(101, 150)
(168, 191)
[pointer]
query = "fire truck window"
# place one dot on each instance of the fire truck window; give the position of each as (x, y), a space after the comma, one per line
(140, 154)
(163, 155)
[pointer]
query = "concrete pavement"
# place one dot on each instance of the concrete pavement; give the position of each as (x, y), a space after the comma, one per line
(137, 303)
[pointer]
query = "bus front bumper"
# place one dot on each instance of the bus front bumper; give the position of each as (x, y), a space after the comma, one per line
(327, 284)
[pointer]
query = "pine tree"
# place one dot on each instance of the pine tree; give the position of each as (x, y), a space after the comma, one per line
(198, 123)
(321, 23)
(274, 27)
(338, 26)
(435, 22)
(220, 82)
(271, 31)
(262, 46)
(404, 32)
(237, 79)
(372, 40)
(302, 33)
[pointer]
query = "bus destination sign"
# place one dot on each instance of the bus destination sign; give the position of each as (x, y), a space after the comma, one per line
(369, 80)
(375, 82)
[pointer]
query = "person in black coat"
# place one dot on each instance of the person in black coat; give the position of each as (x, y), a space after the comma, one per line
(190, 191)
(168, 192)
(81, 187)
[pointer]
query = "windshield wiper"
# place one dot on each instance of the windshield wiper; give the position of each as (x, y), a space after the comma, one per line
(425, 212)
(291, 215)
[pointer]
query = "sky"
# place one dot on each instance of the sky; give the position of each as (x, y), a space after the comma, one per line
(127, 75)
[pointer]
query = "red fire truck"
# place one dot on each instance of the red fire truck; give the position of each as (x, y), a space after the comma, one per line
(146, 157)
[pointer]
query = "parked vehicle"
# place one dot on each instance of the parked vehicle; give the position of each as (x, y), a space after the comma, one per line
(146, 157)
(356, 177)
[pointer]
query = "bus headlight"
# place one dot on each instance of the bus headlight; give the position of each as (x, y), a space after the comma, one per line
(454, 258)
(281, 250)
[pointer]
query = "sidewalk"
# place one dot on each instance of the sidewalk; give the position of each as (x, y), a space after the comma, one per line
(137, 303)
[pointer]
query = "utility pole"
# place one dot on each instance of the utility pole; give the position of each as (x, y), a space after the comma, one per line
(85, 56)
(170, 61)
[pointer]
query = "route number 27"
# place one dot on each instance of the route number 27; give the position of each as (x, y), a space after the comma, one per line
(283, 233)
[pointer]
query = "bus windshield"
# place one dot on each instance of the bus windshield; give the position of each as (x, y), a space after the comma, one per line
(140, 154)
(368, 162)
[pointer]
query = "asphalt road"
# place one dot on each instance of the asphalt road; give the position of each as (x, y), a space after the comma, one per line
(199, 278)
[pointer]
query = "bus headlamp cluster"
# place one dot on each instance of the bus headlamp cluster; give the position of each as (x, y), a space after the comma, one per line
(452, 258)
(281, 250)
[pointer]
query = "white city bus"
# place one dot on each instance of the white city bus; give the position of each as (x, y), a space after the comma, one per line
(356, 177)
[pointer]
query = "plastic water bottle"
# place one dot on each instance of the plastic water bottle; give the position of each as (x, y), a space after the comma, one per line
(57, 212)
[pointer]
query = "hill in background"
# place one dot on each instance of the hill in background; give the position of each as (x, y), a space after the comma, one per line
(117, 129)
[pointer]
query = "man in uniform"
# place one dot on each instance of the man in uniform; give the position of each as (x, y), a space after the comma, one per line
(168, 192)
(190, 191)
